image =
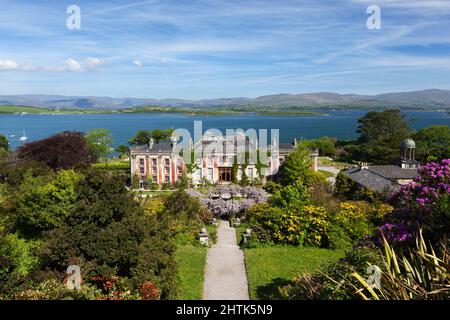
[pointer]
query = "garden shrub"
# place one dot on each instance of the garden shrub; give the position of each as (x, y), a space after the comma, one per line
(354, 221)
(295, 227)
(422, 204)
(42, 203)
(334, 281)
(108, 234)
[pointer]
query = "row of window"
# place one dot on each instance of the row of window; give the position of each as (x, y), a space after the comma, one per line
(210, 173)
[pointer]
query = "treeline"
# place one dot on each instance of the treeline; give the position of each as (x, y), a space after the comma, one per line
(380, 136)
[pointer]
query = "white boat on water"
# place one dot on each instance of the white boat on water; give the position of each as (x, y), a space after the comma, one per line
(24, 137)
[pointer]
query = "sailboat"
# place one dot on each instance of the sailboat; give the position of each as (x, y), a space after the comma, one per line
(23, 137)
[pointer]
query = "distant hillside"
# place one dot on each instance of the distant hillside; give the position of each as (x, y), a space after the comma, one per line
(432, 99)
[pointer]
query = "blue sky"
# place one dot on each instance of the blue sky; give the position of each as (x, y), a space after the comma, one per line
(231, 48)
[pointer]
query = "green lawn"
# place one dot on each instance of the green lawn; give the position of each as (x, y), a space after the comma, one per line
(327, 174)
(191, 261)
(324, 161)
(271, 267)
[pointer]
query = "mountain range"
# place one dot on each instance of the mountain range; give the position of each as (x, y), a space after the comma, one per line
(432, 99)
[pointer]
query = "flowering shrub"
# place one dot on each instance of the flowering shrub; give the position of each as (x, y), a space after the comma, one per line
(149, 291)
(358, 217)
(295, 227)
(112, 288)
(423, 203)
(395, 232)
(227, 200)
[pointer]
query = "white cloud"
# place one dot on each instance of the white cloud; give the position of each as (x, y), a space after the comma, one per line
(72, 65)
(94, 63)
(138, 63)
(69, 65)
(8, 65)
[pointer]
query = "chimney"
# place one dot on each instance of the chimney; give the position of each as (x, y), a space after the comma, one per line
(150, 144)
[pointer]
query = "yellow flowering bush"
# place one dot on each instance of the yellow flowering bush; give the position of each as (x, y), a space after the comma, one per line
(358, 218)
(154, 206)
(307, 226)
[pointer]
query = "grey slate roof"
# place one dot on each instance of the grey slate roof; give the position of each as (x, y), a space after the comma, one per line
(162, 147)
(371, 180)
(393, 172)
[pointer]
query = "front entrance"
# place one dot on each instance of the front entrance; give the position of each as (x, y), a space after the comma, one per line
(225, 174)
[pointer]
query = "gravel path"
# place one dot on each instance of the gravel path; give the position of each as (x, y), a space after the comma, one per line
(225, 275)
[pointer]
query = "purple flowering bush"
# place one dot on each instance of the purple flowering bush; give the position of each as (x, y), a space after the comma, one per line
(423, 203)
(225, 201)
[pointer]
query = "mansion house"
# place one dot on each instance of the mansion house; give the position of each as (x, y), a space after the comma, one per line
(155, 162)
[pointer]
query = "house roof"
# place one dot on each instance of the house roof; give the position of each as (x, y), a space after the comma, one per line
(393, 172)
(161, 147)
(371, 180)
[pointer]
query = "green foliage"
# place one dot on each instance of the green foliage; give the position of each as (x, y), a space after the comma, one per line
(106, 233)
(4, 144)
(380, 136)
(433, 143)
(42, 203)
(20, 254)
(272, 187)
(122, 150)
(144, 136)
(185, 215)
(333, 281)
(297, 166)
(325, 145)
(191, 272)
(135, 182)
(414, 274)
(160, 135)
(140, 138)
(99, 142)
(271, 267)
(288, 219)
(293, 196)
(355, 221)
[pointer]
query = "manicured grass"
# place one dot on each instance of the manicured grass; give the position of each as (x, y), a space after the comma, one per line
(326, 174)
(191, 261)
(212, 230)
(114, 165)
(271, 267)
(324, 161)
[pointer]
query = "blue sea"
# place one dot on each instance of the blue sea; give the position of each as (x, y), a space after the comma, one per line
(339, 124)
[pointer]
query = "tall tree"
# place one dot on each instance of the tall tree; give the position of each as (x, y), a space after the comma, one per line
(380, 136)
(122, 150)
(140, 138)
(4, 142)
(297, 166)
(433, 143)
(99, 142)
(61, 151)
(160, 135)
